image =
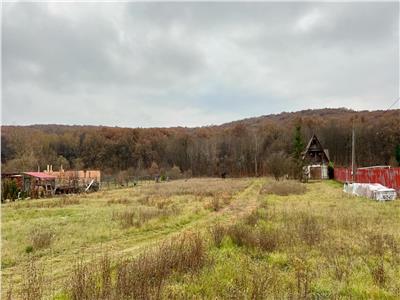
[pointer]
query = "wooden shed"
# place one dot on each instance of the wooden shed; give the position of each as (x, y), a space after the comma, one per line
(38, 184)
(316, 160)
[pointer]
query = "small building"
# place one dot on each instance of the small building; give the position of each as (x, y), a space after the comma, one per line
(74, 181)
(316, 160)
(37, 184)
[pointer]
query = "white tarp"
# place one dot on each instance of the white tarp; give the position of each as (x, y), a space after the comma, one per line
(374, 191)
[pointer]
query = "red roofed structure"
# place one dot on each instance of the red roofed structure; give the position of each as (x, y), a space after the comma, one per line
(41, 175)
(39, 184)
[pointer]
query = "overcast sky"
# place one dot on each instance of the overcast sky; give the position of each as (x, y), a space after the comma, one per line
(194, 64)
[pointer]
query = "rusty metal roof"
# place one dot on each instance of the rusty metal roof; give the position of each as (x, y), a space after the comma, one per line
(40, 175)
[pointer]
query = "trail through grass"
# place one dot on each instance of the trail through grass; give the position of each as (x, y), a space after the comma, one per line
(85, 229)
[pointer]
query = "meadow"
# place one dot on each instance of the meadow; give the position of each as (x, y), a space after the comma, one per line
(203, 239)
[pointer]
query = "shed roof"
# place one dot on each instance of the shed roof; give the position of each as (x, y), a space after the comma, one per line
(315, 145)
(40, 175)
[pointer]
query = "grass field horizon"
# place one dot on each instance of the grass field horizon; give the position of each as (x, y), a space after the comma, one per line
(203, 238)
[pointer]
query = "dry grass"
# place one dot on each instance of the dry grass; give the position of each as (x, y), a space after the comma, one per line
(217, 232)
(284, 188)
(41, 237)
(53, 203)
(124, 201)
(207, 187)
(140, 278)
(317, 245)
(141, 215)
(32, 281)
(125, 218)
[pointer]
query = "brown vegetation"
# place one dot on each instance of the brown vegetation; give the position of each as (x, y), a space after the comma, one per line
(284, 188)
(206, 151)
(140, 278)
(41, 237)
(32, 281)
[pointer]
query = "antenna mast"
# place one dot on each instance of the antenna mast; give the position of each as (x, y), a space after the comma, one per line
(353, 155)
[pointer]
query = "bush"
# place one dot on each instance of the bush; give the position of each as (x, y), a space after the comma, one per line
(215, 203)
(242, 235)
(41, 238)
(174, 173)
(268, 239)
(29, 249)
(9, 190)
(217, 232)
(278, 164)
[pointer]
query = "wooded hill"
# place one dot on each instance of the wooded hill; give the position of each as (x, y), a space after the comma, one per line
(238, 148)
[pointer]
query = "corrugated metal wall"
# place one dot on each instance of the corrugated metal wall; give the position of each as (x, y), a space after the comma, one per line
(389, 177)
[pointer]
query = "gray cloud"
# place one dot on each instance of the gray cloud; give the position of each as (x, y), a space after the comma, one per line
(167, 64)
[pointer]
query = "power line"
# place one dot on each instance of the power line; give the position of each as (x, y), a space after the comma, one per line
(393, 103)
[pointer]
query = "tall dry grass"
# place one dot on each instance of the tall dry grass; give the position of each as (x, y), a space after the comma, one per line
(142, 277)
(32, 287)
(284, 188)
(41, 237)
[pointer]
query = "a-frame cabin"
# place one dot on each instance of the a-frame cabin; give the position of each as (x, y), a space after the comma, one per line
(316, 159)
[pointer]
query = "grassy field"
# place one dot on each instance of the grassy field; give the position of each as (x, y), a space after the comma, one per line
(203, 238)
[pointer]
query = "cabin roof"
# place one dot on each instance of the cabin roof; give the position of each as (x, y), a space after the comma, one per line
(319, 147)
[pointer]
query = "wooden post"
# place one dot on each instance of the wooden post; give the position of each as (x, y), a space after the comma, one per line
(353, 155)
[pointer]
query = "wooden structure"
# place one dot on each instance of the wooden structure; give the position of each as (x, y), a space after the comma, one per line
(75, 181)
(316, 160)
(38, 184)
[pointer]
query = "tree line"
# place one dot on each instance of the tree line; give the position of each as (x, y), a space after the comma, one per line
(242, 148)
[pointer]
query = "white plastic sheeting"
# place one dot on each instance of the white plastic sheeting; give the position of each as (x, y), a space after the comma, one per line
(374, 191)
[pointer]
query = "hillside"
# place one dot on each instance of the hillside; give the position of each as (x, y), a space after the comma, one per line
(231, 147)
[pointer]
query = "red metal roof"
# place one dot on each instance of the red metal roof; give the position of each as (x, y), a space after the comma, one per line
(40, 175)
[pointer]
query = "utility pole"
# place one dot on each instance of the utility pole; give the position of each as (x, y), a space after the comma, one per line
(255, 155)
(353, 155)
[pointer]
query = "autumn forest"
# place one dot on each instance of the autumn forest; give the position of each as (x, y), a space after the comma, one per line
(240, 148)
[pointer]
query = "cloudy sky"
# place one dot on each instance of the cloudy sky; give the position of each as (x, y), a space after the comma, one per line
(191, 64)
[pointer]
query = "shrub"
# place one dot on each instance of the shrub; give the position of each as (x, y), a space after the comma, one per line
(278, 165)
(217, 232)
(174, 172)
(41, 238)
(215, 203)
(252, 218)
(9, 190)
(29, 249)
(268, 239)
(242, 235)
